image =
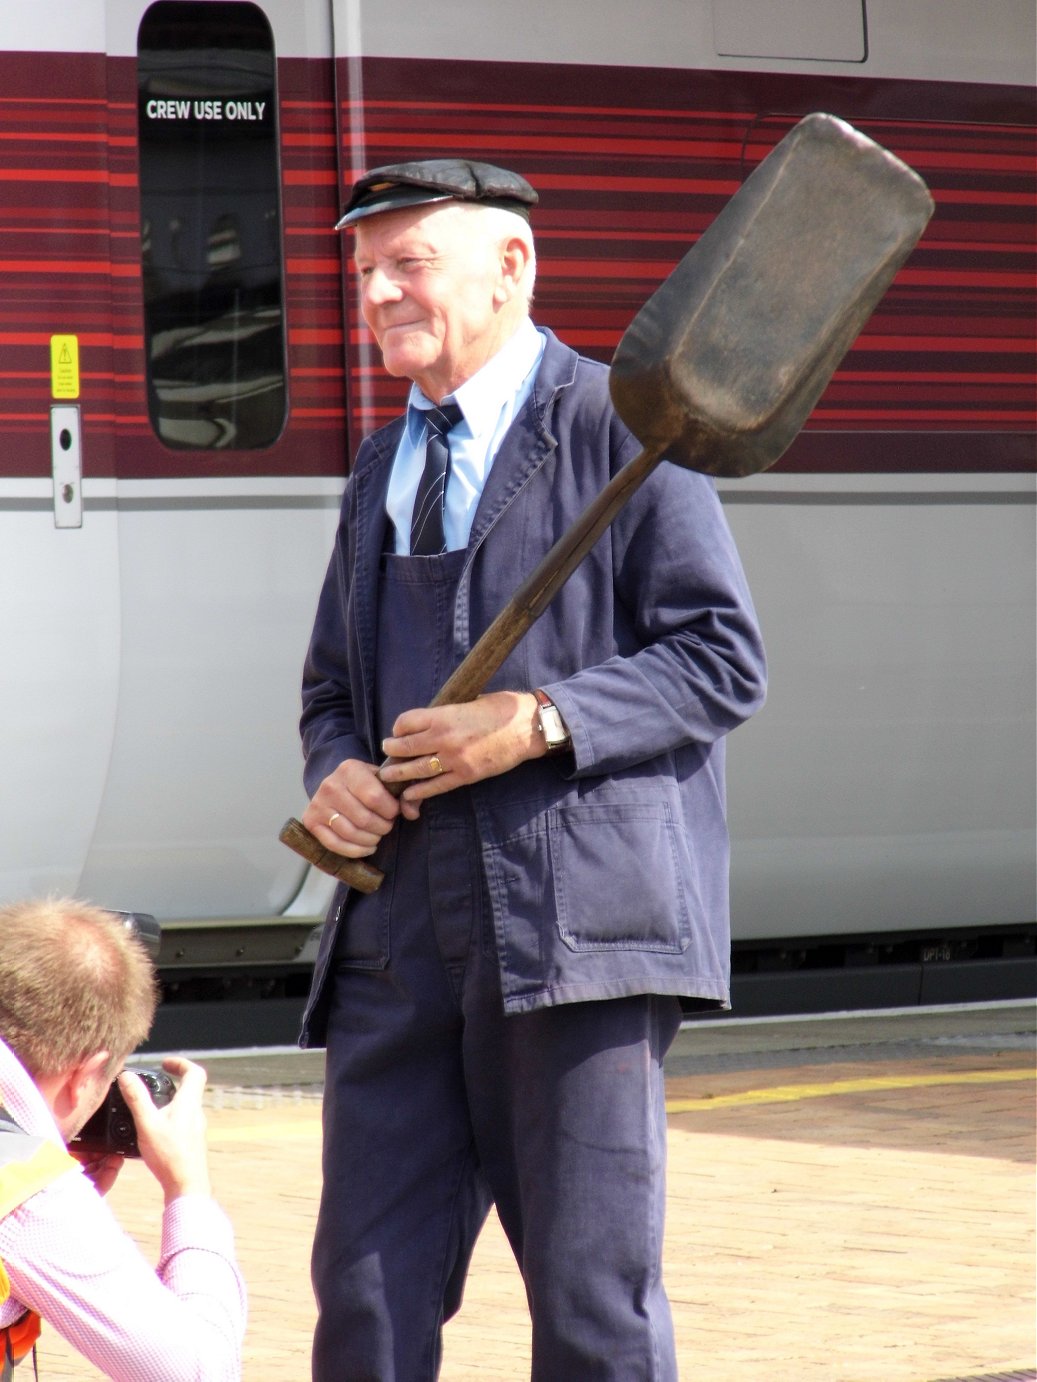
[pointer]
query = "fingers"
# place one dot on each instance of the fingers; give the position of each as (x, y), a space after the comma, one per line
(434, 750)
(419, 734)
(134, 1091)
(418, 748)
(191, 1081)
(191, 1076)
(353, 837)
(444, 747)
(143, 1109)
(102, 1171)
(351, 811)
(171, 1138)
(424, 766)
(414, 780)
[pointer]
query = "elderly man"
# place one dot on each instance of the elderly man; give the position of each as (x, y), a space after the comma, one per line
(77, 995)
(496, 1015)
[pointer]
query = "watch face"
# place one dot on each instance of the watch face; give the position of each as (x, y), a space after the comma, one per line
(555, 734)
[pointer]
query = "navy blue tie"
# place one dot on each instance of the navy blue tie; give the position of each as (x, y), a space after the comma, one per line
(426, 525)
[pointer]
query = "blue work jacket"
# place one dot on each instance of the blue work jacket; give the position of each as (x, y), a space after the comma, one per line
(606, 869)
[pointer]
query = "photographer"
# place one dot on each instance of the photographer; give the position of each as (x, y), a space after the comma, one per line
(77, 996)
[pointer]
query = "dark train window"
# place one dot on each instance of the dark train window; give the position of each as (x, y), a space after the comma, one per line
(211, 225)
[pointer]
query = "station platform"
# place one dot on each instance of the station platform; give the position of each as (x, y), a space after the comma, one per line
(851, 1199)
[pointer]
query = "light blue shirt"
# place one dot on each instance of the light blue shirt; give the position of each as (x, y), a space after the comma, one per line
(489, 402)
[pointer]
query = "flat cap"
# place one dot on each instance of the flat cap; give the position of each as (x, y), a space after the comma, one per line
(437, 180)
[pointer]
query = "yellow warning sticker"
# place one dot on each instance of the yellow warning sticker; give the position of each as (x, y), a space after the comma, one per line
(64, 366)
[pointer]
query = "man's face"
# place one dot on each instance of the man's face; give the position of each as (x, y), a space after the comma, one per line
(82, 1094)
(433, 291)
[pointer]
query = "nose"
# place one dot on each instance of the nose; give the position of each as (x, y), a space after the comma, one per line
(378, 287)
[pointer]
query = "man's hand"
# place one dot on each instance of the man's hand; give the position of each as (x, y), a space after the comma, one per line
(351, 810)
(453, 745)
(102, 1170)
(172, 1138)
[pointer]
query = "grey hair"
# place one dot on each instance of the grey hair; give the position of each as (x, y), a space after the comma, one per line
(508, 225)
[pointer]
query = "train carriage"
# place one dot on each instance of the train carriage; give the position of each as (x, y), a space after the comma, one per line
(185, 377)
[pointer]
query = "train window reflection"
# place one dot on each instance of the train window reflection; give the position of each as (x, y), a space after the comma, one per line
(211, 225)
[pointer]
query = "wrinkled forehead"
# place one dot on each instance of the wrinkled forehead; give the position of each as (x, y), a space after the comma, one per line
(435, 229)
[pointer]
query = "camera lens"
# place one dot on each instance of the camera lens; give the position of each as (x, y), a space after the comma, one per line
(123, 1131)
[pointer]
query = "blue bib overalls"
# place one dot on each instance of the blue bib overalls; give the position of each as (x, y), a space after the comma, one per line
(437, 1105)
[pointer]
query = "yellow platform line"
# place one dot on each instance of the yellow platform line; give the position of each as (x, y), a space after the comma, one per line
(790, 1093)
(281, 1129)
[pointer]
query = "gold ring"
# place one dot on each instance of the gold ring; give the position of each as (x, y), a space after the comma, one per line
(334, 817)
(435, 766)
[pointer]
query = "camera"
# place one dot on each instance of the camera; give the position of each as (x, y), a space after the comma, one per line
(144, 928)
(111, 1128)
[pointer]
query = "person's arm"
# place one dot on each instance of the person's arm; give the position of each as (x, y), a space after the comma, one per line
(689, 665)
(349, 809)
(453, 745)
(329, 725)
(68, 1259)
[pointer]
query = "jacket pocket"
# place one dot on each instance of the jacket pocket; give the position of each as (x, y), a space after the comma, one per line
(617, 877)
(362, 929)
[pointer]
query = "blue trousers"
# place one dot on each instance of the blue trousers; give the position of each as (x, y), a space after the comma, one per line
(437, 1105)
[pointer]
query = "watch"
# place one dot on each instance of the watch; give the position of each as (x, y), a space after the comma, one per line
(551, 725)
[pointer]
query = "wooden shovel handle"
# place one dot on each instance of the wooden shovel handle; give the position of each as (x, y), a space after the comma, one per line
(490, 652)
(358, 873)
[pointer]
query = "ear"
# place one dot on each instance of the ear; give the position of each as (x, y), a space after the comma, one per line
(86, 1074)
(514, 258)
(73, 1094)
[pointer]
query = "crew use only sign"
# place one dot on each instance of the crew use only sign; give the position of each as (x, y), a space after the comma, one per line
(204, 109)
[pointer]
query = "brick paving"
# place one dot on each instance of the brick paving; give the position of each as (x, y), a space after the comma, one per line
(860, 1218)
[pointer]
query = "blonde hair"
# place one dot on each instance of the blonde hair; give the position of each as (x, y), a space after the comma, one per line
(73, 981)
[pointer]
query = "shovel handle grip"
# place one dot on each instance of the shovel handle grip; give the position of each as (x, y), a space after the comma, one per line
(357, 873)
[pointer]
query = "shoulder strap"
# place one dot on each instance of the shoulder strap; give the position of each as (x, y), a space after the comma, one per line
(27, 1165)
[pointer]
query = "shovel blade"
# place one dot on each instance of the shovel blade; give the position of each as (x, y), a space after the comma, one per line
(724, 363)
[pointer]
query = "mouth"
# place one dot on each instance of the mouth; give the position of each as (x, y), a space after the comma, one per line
(388, 328)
